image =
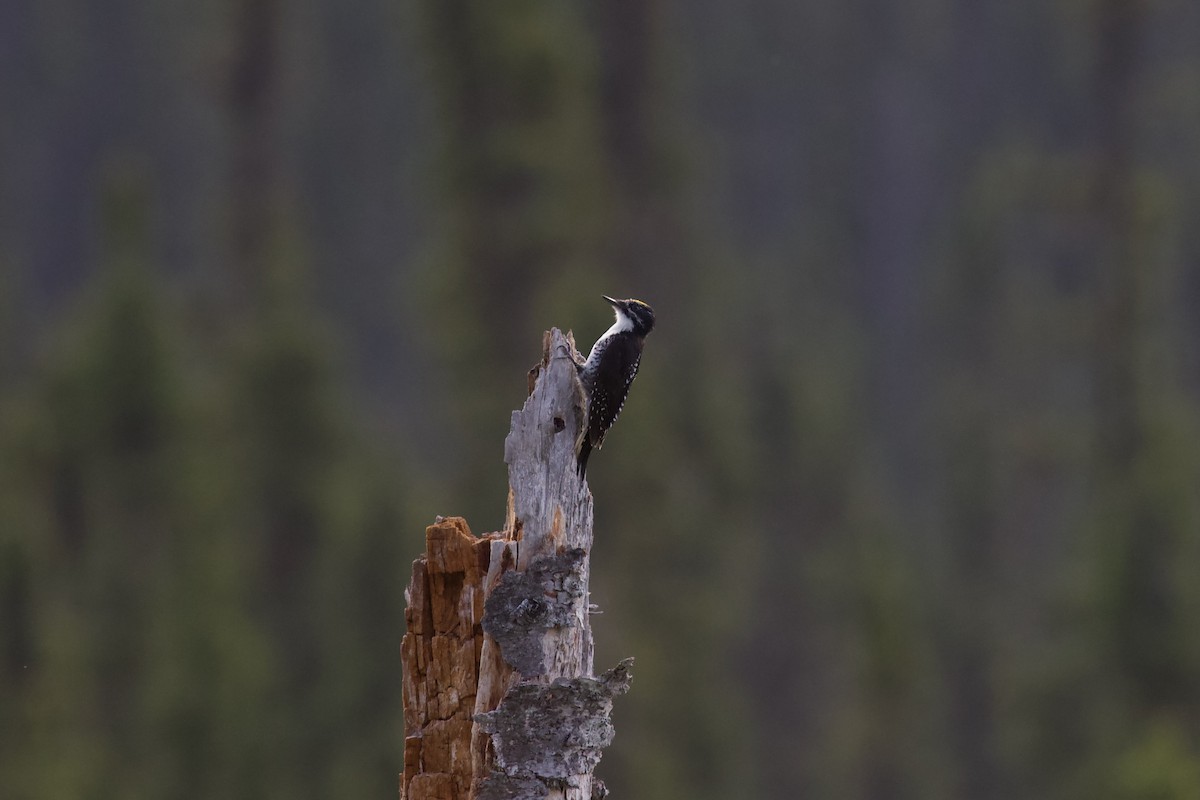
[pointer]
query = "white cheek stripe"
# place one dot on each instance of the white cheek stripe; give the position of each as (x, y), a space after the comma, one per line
(622, 325)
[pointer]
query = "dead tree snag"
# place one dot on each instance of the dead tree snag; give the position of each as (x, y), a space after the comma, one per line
(499, 698)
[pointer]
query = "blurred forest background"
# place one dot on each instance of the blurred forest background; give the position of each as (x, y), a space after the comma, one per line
(905, 504)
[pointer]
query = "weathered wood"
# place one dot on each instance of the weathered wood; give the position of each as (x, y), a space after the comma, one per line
(498, 691)
(550, 507)
(440, 658)
(496, 677)
(549, 503)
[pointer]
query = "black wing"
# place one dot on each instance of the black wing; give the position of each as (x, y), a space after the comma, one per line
(609, 386)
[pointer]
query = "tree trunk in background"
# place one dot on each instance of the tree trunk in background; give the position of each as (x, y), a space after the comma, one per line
(1128, 392)
(1120, 25)
(254, 108)
(525, 193)
(647, 245)
(499, 701)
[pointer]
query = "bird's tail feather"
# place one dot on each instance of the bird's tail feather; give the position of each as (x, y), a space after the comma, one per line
(585, 450)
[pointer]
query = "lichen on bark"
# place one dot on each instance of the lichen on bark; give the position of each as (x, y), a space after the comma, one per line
(524, 605)
(557, 730)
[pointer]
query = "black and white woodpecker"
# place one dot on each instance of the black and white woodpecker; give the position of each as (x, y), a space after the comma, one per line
(610, 369)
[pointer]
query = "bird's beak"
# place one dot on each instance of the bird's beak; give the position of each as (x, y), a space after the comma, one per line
(612, 302)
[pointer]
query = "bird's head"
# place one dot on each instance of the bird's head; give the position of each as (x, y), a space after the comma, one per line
(632, 315)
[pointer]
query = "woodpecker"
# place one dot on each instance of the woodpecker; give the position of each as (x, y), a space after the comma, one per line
(610, 369)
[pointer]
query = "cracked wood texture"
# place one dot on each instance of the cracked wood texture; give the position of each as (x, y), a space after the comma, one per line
(460, 692)
(441, 653)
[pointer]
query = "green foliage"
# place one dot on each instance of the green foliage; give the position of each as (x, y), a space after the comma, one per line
(202, 568)
(1160, 764)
